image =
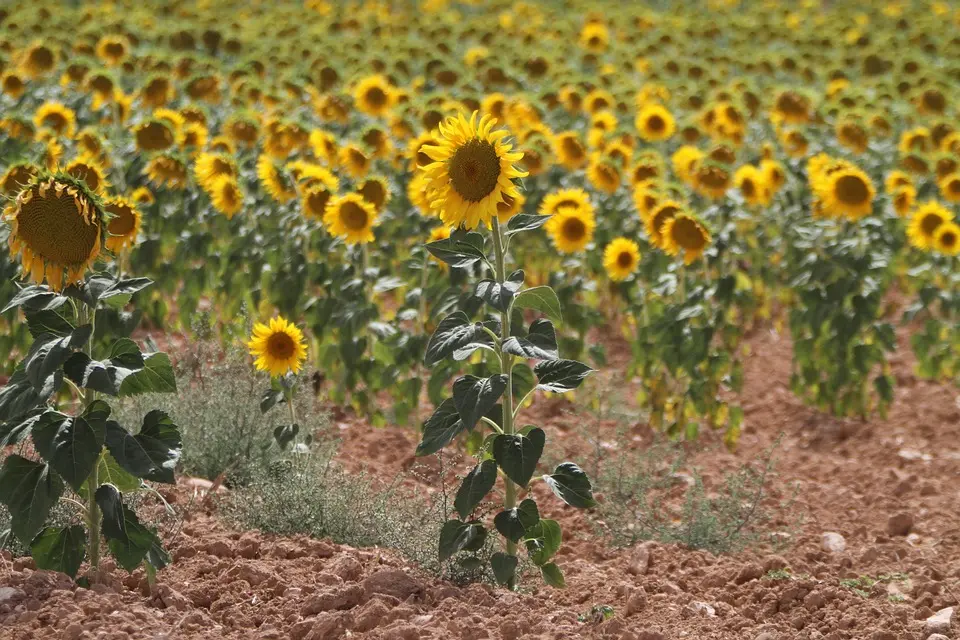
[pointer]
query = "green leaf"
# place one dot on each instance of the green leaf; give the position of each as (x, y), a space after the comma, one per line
(440, 429)
(29, 490)
(129, 541)
(570, 484)
(71, 444)
(528, 513)
(20, 397)
(36, 298)
(540, 343)
(15, 431)
(109, 471)
(459, 252)
(49, 351)
(518, 455)
(474, 396)
(285, 433)
(543, 541)
(153, 453)
(552, 575)
(271, 398)
(47, 322)
(504, 567)
(107, 376)
(60, 549)
(499, 296)
(523, 381)
(455, 336)
(542, 299)
(475, 487)
(156, 376)
(126, 288)
(525, 222)
(456, 536)
(561, 376)
(508, 524)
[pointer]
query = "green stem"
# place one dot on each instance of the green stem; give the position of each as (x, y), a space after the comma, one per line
(87, 315)
(288, 393)
(506, 367)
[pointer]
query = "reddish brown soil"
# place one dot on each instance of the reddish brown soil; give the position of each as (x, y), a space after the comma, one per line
(890, 488)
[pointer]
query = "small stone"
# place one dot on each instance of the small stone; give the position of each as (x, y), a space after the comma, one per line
(833, 542)
(8, 594)
(940, 622)
(766, 636)
(640, 561)
(900, 524)
(703, 609)
(344, 598)
(72, 632)
(392, 582)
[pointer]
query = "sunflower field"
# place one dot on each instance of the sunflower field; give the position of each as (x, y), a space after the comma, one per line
(436, 212)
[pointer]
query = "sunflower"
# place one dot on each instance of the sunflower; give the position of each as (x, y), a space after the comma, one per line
(621, 258)
(847, 192)
(685, 161)
(157, 91)
(418, 158)
(52, 153)
(950, 187)
(16, 177)
(273, 180)
(437, 234)
(494, 104)
(595, 37)
(773, 174)
(752, 185)
(278, 347)
(38, 59)
(569, 150)
(904, 197)
(167, 171)
(324, 146)
(374, 190)
(924, 222)
(374, 95)
(418, 194)
(13, 84)
(791, 107)
(351, 218)
(509, 207)
(226, 195)
(685, 233)
(946, 239)
(313, 202)
(210, 166)
(56, 226)
(646, 198)
(113, 49)
(655, 123)
(354, 161)
(154, 135)
(602, 173)
(711, 180)
(142, 195)
(57, 118)
(565, 198)
(124, 226)
(571, 228)
(195, 136)
(472, 170)
(86, 169)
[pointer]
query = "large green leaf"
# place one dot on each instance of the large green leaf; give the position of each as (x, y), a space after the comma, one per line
(29, 490)
(571, 485)
(543, 541)
(153, 453)
(560, 376)
(475, 487)
(455, 336)
(129, 540)
(106, 376)
(474, 396)
(504, 567)
(456, 536)
(72, 444)
(37, 298)
(552, 575)
(19, 397)
(459, 252)
(47, 322)
(156, 376)
(440, 429)
(518, 455)
(540, 342)
(60, 549)
(499, 296)
(542, 299)
(525, 222)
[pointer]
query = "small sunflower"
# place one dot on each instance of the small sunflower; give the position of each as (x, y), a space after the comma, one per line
(655, 221)
(571, 229)
(418, 158)
(124, 226)
(752, 185)
(564, 198)
(595, 37)
(685, 161)
(569, 150)
(646, 197)
(90, 172)
(113, 49)
(154, 135)
(195, 136)
(684, 233)
(16, 177)
(210, 166)
(279, 347)
(273, 180)
(226, 195)
(904, 197)
(142, 195)
(847, 192)
(13, 84)
(56, 226)
(313, 202)
(655, 123)
(472, 170)
(950, 187)
(374, 190)
(167, 171)
(374, 95)
(711, 180)
(355, 162)
(58, 118)
(351, 218)
(773, 174)
(946, 239)
(620, 258)
(924, 222)
(38, 59)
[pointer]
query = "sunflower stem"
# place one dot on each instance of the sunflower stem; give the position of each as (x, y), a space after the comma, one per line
(84, 315)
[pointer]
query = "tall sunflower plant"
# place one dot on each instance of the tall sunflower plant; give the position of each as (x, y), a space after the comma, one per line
(55, 408)
(472, 171)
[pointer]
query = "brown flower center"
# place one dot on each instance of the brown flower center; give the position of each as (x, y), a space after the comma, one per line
(54, 228)
(280, 346)
(353, 216)
(474, 170)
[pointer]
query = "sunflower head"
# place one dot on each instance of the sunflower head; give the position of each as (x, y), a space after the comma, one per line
(374, 190)
(374, 95)
(154, 135)
(17, 175)
(950, 187)
(846, 192)
(472, 171)
(274, 182)
(143, 196)
(620, 258)
(57, 229)
(510, 207)
(124, 225)
(354, 160)
(946, 239)
(655, 123)
(571, 228)
(113, 49)
(684, 233)
(90, 172)
(351, 218)
(226, 195)
(903, 197)
(57, 118)
(278, 347)
(569, 150)
(210, 166)
(924, 222)
(658, 217)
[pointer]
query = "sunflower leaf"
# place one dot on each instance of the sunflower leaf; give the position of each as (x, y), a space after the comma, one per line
(542, 299)
(540, 343)
(525, 222)
(459, 252)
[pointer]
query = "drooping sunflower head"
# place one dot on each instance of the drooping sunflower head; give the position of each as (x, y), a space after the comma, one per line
(655, 123)
(792, 107)
(57, 228)
(924, 222)
(350, 217)
(374, 95)
(226, 195)
(16, 177)
(124, 225)
(711, 179)
(278, 347)
(154, 135)
(375, 191)
(472, 170)
(946, 239)
(684, 233)
(620, 258)
(571, 228)
(903, 197)
(654, 222)
(157, 91)
(90, 172)
(56, 117)
(602, 173)
(210, 166)
(274, 182)
(167, 170)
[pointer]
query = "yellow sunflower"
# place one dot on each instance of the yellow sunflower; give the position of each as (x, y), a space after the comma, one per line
(950, 187)
(685, 161)
(904, 197)
(655, 123)
(210, 166)
(226, 195)
(684, 233)
(418, 158)
(595, 37)
(574, 197)
(752, 185)
(354, 161)
(273, 181)
(571, 229)
(418, 193)
(946, 239)
(603, 174)
(924, 222)
(509, 207)
(569, 150)
(847, 192)
(313, 202)
(374, 95)
(324, 146)
(56, 117)
(16, 177)
(142, 195)
(278, 347)
(374, 190)
(351, 218)
(113, 49)
(646, 197)
(472, 171)
(154, 135)
(657, 218)
(621, 258)
(157, 91)
(773, 174)
(711, 180)
(38, 59)
(13, 84)
(167, 171)
(56, 227)
(124, 226)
